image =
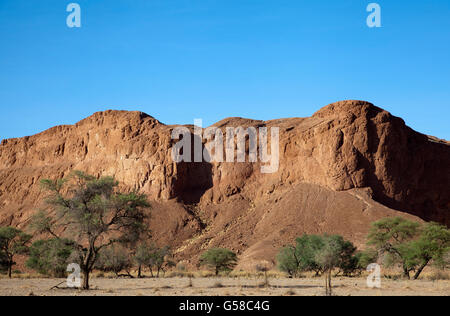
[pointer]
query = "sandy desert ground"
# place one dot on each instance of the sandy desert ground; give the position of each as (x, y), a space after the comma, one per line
(224, 287)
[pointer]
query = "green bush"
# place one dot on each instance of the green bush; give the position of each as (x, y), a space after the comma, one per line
(3, 262)
(219, 259)
(304, 256)
(50, 257)
(364, 258)
(114, 259)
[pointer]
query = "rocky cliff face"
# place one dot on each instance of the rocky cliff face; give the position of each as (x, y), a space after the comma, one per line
(347, 165)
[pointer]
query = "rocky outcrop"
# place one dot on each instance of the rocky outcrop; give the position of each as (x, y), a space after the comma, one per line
(347, 165)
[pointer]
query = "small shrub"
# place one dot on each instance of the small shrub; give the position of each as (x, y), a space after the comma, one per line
(264, 267)
(217, 285)
(290, 293)
(181, 267)
(262, 285)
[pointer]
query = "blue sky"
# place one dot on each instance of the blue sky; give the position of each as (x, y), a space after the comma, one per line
(178, 60)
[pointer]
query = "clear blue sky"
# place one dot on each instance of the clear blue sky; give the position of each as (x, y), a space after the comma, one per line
(178, 60)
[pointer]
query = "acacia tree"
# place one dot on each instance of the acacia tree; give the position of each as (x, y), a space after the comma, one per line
(12, 242)
(431, 246)
(287, 261)
(160, 259)
(329, 256)
(153, 257)
(142, 257)
(94, 213)
(391, 235)
(306, 249)
(219, 259)
(294, 260)
(303, 257)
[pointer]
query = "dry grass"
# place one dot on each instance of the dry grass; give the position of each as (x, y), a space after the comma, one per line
(103, 275)
(182, 274)
(438, 275)
(238, 283)
(25, 276)
(234, 274)
(252, 275)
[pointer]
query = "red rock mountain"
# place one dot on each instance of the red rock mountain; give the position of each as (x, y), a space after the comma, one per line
(349, 164)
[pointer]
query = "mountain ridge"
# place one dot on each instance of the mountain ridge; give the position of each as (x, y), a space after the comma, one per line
(347, 165)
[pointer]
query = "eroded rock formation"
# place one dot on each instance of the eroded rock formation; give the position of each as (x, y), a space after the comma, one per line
(349, 164)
